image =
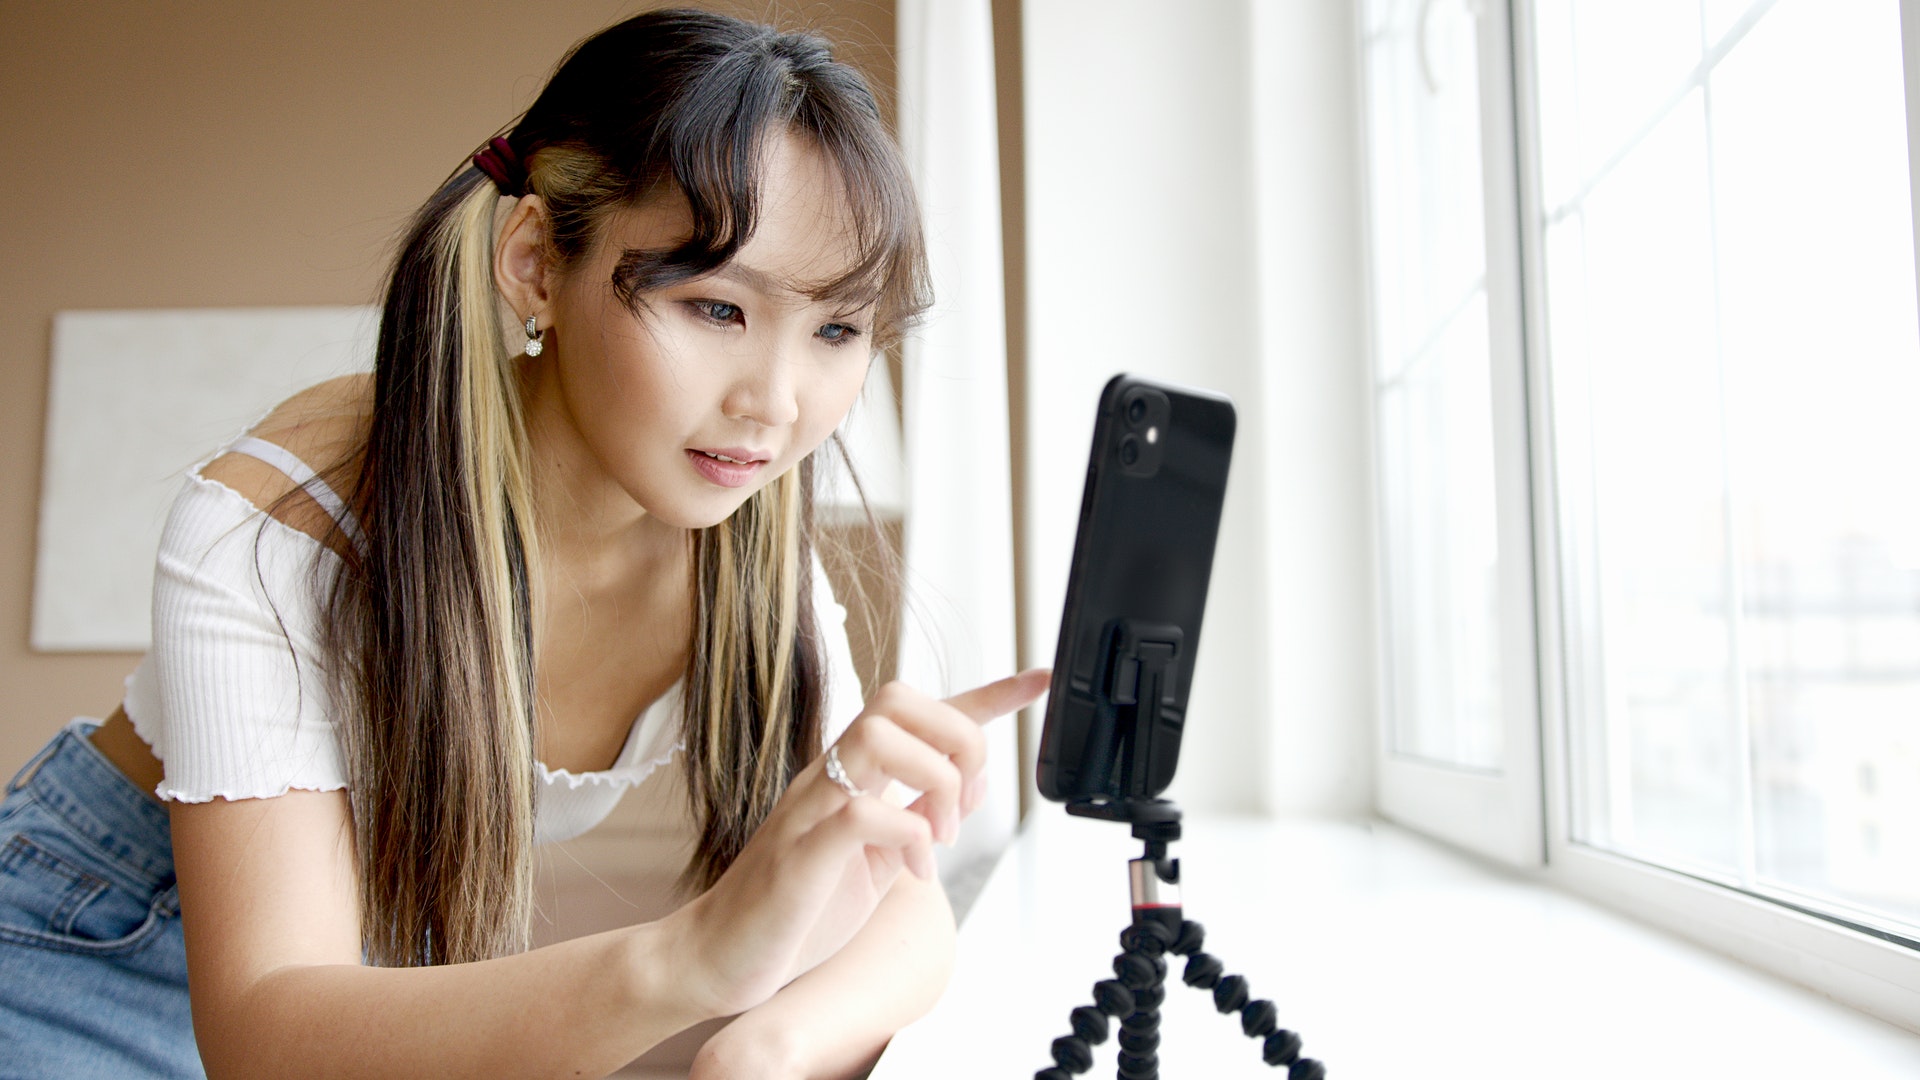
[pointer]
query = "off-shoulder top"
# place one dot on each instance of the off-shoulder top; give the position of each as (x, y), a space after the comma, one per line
(232, 695)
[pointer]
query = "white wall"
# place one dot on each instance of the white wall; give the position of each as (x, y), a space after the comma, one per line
(1147, 253)
(1314, 369)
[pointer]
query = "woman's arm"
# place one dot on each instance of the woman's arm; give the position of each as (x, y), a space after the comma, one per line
(834, 1021)
(273, 945)
(269, 897)
(269, 900)
(270, 905)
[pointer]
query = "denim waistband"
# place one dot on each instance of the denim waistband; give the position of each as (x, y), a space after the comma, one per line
(77, 784)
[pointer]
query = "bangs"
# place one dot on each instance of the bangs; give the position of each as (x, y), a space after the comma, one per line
(889, 266)
(716, 136)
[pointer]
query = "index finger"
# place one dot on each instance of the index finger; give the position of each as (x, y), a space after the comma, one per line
(983, 703)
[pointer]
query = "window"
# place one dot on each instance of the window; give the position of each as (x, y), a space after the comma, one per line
(1714, 428)
(1460, 735)
(1735, 356)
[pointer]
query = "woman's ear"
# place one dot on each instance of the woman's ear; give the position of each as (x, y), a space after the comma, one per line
(520, 266)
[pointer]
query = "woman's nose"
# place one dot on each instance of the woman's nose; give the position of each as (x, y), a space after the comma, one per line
(765, 391)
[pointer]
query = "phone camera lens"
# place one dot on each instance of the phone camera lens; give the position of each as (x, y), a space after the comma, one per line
(1129, 450)
(1136, 410)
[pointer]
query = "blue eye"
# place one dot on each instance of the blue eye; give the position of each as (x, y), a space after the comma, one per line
(718, 310)
(838, 333)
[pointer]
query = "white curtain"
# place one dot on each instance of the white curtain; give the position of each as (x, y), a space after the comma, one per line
(959, 526)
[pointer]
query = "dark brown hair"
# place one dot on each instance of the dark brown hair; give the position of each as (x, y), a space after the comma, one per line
(431, 621)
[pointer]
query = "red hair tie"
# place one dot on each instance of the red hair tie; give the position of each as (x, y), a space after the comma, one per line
(498, 161)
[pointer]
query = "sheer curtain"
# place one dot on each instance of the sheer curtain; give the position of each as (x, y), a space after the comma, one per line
(959, 628)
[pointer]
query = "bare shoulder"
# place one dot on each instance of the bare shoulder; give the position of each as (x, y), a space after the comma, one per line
(325, 426)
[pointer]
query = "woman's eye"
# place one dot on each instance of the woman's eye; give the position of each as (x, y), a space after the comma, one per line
(838, 333)
(718, 310)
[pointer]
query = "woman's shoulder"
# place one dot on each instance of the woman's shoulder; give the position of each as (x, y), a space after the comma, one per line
(324, 426)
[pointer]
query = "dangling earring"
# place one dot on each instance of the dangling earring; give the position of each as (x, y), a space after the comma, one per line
(533, 345)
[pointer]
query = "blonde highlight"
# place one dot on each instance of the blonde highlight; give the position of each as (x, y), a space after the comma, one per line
(755, 716)
(434, 614)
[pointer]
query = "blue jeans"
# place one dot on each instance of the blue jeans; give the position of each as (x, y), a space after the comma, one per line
(93, 968)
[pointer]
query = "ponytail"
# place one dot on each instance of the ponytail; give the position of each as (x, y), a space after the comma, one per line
(432, 621)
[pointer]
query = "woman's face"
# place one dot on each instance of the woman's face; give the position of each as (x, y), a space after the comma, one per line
(717, 385)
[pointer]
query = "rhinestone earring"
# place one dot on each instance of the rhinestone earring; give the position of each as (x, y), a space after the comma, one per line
(533, 345)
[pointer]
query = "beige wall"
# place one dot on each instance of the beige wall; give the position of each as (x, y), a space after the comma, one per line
(226, 153)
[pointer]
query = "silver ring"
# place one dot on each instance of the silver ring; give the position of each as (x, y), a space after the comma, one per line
(837, 773)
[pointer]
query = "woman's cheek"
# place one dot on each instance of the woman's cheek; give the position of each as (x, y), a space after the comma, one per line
(846, 396)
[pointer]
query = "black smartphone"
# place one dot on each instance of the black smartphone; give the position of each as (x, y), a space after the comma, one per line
(1142, 558)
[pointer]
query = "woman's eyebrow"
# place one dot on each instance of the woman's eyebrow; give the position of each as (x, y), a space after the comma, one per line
(766, 284)
(758, 280)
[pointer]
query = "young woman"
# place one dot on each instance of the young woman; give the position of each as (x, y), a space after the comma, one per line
(575, 491)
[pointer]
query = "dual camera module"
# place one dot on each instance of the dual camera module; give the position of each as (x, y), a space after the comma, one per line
(1143, 414)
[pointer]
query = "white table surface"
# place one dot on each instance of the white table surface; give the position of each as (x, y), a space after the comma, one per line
(1391, 956)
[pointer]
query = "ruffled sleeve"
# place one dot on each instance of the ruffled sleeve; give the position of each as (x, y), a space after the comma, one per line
(233, 694)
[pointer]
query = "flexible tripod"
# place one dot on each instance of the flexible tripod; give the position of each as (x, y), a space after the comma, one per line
(1135, 993)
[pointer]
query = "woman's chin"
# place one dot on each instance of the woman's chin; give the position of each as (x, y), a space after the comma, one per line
(696, 514)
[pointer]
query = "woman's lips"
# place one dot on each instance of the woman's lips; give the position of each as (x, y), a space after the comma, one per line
(732, 474)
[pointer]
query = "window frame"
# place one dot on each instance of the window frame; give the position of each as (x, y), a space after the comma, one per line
(1498, 815)
(1910, 53)
(1878, 976)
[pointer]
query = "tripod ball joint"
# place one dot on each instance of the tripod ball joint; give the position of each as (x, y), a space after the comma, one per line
(1191, 937)
(1230, 994)
(1139, 1067)
(1281, 1048)
(1112, 997)
(1072, 1053)
(1053, 1073)
(1140, 1043)
(1203, 970)
(1090, 1024)
(1138, 970)
(1259, 1019)
(1151, 938)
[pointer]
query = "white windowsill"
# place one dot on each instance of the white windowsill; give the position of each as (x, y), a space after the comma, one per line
(1392, 956)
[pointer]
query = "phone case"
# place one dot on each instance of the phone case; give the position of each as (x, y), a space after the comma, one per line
(1142, 559)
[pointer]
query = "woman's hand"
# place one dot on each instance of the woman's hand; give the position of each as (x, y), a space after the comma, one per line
(815, 870)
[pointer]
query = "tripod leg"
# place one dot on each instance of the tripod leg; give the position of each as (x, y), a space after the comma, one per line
(1073, 1053)
(1258, 1018)
(1145, 973)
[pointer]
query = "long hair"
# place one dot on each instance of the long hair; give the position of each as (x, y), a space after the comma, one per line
(431, 619)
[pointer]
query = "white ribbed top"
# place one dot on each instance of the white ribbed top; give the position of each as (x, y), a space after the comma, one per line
(233, 698)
